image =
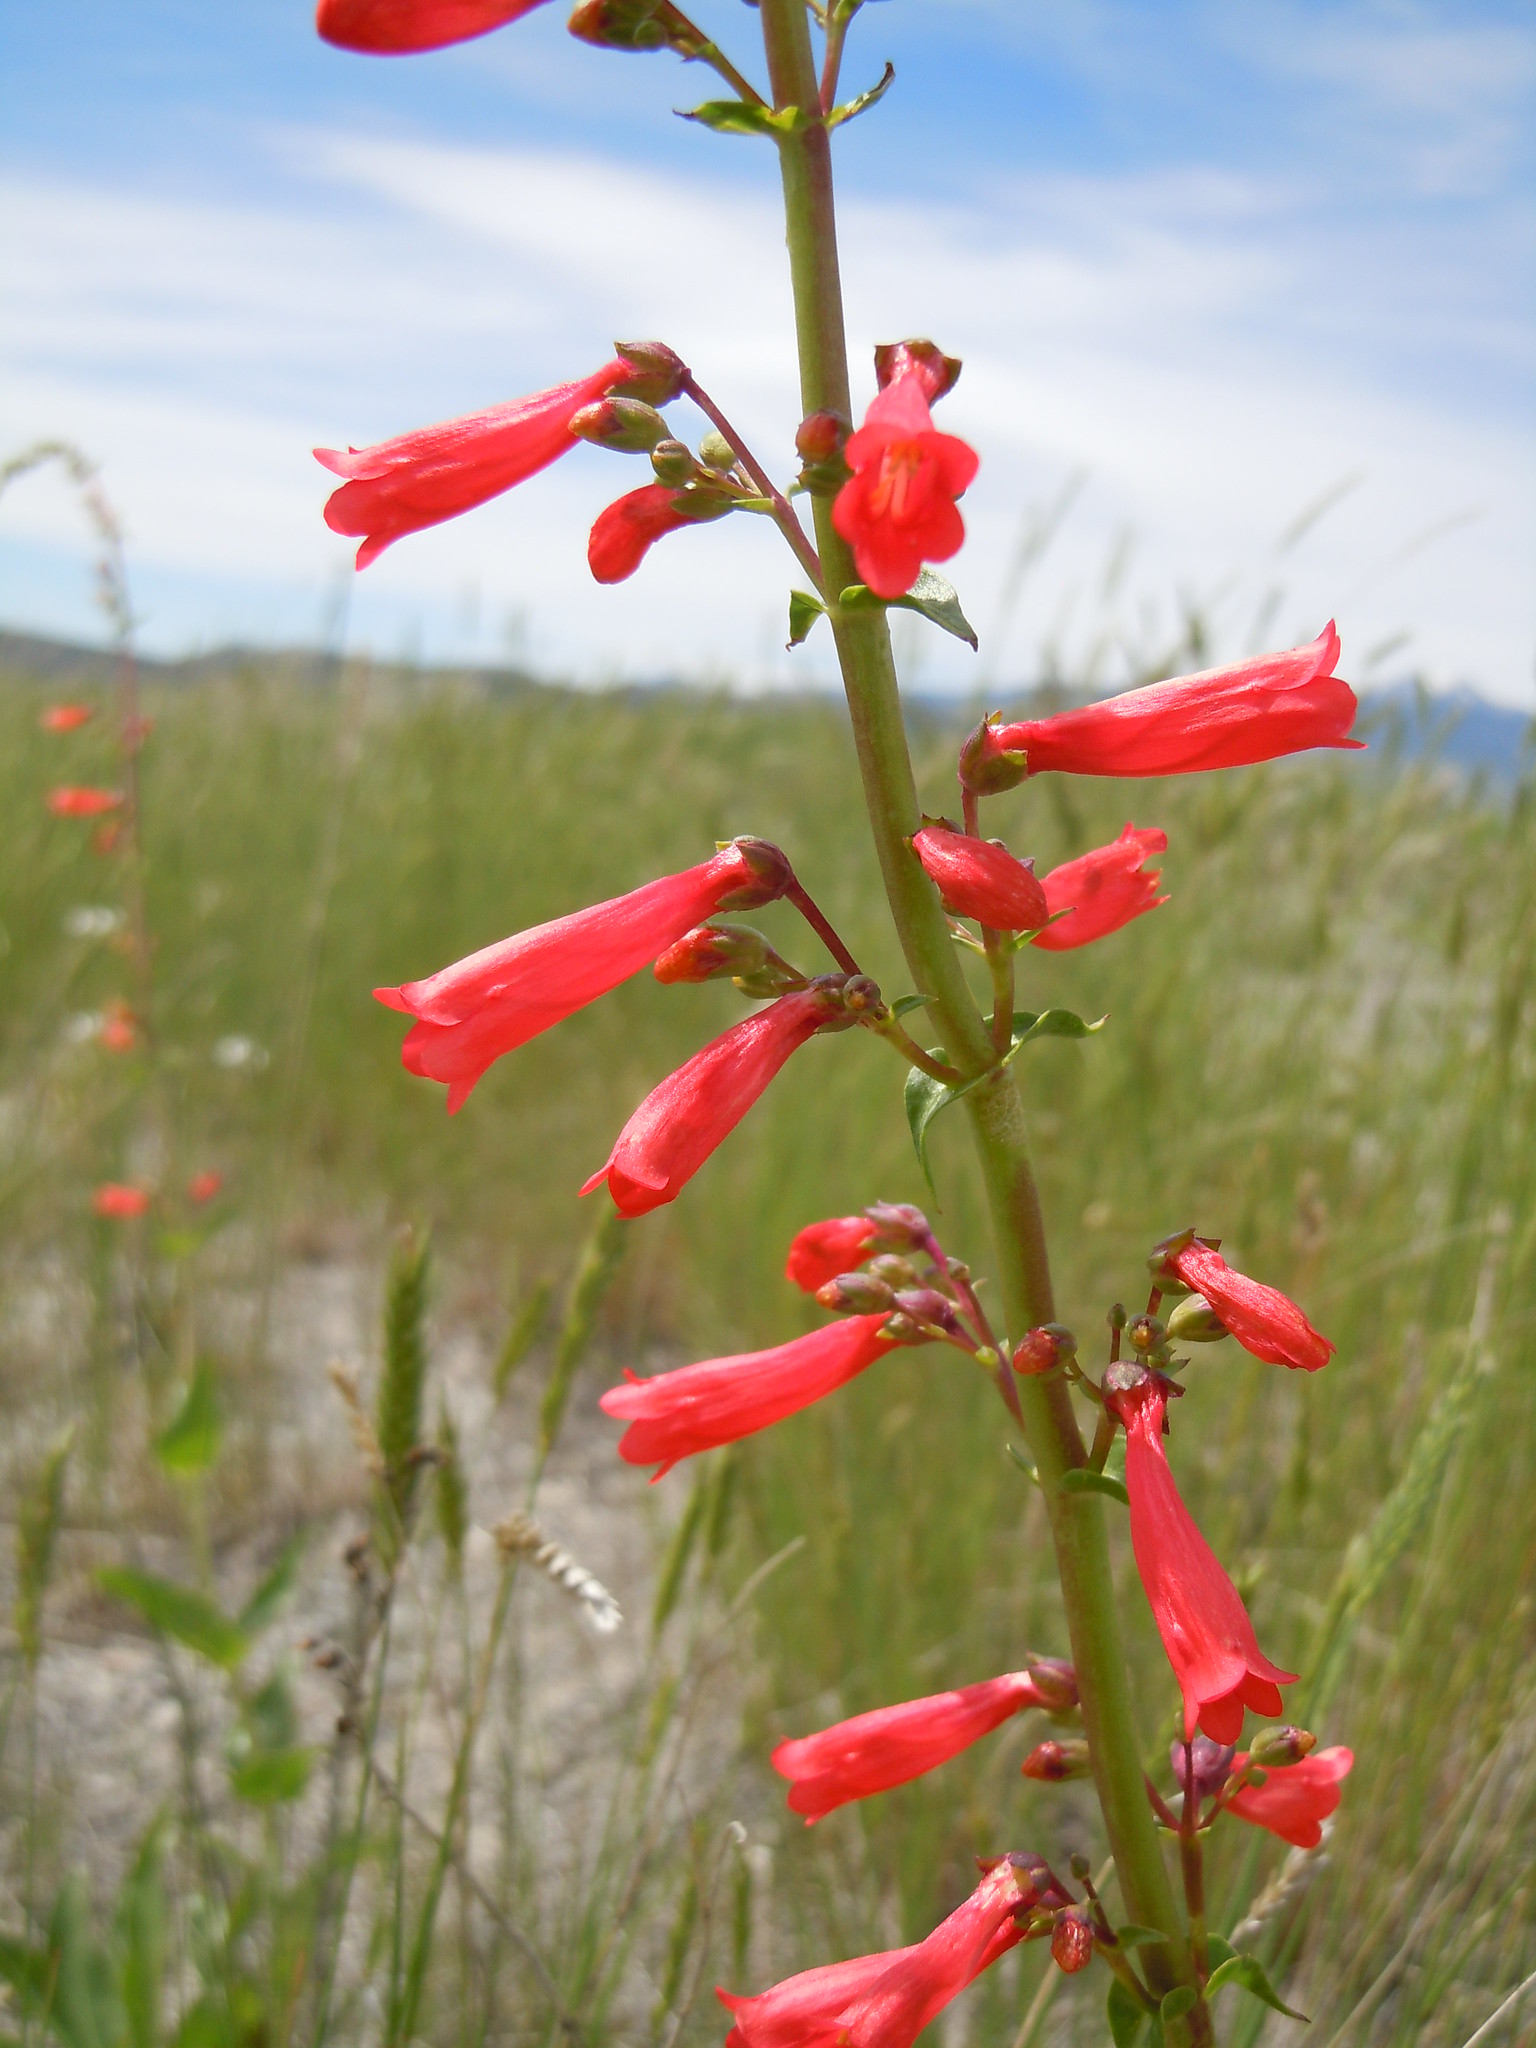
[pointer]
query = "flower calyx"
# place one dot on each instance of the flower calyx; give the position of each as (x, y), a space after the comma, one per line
(627, 426)
(935, 371)
(1072, 1940)
(713, 952)
(1194, 1321)
(656, 373)
(770, 869)
(987, 766)
(1273, 1748)
(639, 26)
(1166, 1250)
(1204, 1769)
(1056, 1682)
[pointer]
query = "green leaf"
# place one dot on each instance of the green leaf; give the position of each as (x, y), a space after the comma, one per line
(1022, 939)
(1083, 1479)
(740, 117)
(272, 1777)
(181, 1611)
(1050, 1024)
(931, 595)
(1181, 1999)
(85, 2008)
(261, 1608)
(924, 1097)
(1124, 2014)
(1132, 1936)
(1248, 1971)
(1030, 1473)
(1218, 1949)
(804, 611)
(141, 1917)
(905, 1005)
(190, 1442)
(851, 109)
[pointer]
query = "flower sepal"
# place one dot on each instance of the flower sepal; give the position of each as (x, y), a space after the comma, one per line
(627, 426)
(638, 25)
(715, 952)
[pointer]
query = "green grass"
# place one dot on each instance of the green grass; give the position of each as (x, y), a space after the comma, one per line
(1322, 1049)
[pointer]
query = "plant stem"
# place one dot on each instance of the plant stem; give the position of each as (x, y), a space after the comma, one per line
(995, 1109)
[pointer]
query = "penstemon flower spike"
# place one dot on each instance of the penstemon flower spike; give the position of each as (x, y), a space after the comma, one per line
(883, 504)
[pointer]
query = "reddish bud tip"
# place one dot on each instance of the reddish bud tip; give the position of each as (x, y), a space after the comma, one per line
(936, 371)
(899, 1227)
(1042, 1350)
(1051, 1763)
(712, 951)
(1210, 1762)
(1072, 1940)
(856, 1294)
(656, 373)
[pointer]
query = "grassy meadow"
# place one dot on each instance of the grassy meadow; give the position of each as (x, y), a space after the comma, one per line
(1323, 1049)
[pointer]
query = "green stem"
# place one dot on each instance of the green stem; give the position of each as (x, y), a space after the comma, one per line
(995, 1109)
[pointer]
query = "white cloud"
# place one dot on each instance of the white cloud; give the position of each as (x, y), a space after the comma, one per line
(1211, 350)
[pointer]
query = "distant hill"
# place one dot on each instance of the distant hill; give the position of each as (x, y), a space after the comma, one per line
(1458, 727)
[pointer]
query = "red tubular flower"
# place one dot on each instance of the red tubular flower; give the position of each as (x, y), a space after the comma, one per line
(497, 999)
(897, 510)
(65, 717)
(72, 802)
(1295, 1799)
(885, 2001)
(625, 530)
(676, 1414)
(119, 1200)
(891, 1745)
(981, 879)
(1222, 718)
(421, 479)
(1262, 1319)
(395, 28)
(1103, 890)
(202, 1187)
(823, 1250)
(1203, 1623)
(680, 1123)
(119, 1032)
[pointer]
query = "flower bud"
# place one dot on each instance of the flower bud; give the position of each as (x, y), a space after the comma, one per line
(901, 1329)
(711, 951)
(900, 1226)
(1037, 1881)
(627, 425)
(820, 435)
(1056, 1682)
(674, 462)
(715, 450)
(1211, 1761)
(1194, 1321)
(1147, 1335)
(769, 865)
(1051, 1763)
(1044, 1349)
(895, 1270)
(862, 996)
(927, 1305)
(636, 25)
(1123, 1376)
(987, 767)
(1276, 1747)
(856, 1294)
(656, 373)
(936, 371)
(1072, 1940)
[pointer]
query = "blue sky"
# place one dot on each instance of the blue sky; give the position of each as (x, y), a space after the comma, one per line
(1210, 267)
